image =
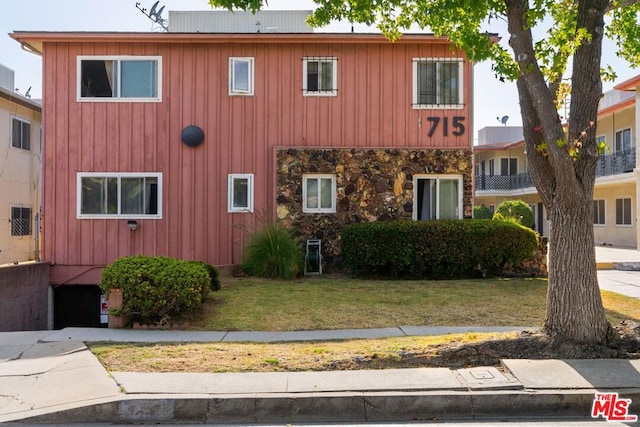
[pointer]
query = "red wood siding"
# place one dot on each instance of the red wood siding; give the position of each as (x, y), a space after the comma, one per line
(372, 109)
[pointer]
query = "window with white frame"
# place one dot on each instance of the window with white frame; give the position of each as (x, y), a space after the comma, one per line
(120, 78)
(241, 76)
(319, 76)
(20, 221)
(240, 193)
(508, 166)
(601, 139)
(20, 133)
(623, 139)
(492, 167)
(119, 195)
(623, 211)
(319, 193)
(599, 212)
(437, 197)
(437, 83)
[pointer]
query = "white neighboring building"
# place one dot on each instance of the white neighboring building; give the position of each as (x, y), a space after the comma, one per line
(20, 171)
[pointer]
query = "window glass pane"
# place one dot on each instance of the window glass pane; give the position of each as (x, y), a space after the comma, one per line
(97, 78)
(448, 199)
(241, 75)
(26, 136)
(240, 193)
(448, 83)
(138, 79)
(427, 83)
(627, 211)
(312, 76)
(327, 76)
(326, 193)
(99, 195)
(312, 193)
(132, 196)
(16, 133)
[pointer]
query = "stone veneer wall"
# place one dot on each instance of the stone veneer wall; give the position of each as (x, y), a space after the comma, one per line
(372, 185)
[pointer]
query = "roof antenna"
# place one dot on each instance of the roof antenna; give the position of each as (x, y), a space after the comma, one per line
(155, 14)
(503, 120)
(28, 93)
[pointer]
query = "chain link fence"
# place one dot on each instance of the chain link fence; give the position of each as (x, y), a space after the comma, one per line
(19, 240)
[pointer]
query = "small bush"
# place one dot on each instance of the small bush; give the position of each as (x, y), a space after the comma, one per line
(516, 209)
(273, 252)
(435, 249)
(214, 280)
(482, 212)
(155, 288)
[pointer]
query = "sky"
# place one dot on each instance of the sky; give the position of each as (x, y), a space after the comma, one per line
(492, 99)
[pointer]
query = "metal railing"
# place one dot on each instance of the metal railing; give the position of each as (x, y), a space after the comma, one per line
(623, 161)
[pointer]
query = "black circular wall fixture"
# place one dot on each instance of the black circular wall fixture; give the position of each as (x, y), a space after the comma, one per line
(192, 135)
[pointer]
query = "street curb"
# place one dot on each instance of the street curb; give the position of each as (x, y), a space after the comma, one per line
(332, 407)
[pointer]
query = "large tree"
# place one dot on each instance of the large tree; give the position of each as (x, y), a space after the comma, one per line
(562, 161)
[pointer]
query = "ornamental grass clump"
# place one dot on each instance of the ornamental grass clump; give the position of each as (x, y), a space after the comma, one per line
(273, 252)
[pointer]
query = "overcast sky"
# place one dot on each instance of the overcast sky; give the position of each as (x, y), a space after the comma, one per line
(492, 98)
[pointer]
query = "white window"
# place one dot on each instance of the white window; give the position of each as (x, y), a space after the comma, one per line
(119, 195)
(508, 166)
(20, 221)
(437, 197)
(623, 139)
(240, 193)
(599, 212)
(492, 167)
(319, 193)
(319, 76)
(120, 78)
(437, 83)
(20, 134)
(623, 211)
(241, 76)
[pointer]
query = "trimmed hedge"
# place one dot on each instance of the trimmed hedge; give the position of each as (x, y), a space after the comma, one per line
(435, 249)
(154, 288)
(517, 210)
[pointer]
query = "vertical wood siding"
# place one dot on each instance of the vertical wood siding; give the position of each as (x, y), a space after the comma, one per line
(372, 109)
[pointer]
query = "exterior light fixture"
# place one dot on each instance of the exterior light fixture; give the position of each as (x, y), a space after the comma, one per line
(132, 225)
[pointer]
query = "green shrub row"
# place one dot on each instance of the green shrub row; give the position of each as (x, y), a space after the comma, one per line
(435, 249)
(155, 288)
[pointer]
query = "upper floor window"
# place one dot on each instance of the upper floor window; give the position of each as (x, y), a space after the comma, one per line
(240, 193)
(319, 76)
(319, 193)
(122, 195)
(241, 76)
(623, 139)
(437, 83)
(20, 221)
(508, 166)
(119, 78)
(20, 134)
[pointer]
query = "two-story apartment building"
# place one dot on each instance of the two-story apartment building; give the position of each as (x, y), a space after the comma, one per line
(20, 165)
(501, 170)
(177, 143)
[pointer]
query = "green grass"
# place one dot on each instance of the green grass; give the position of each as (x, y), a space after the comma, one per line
(336, 302)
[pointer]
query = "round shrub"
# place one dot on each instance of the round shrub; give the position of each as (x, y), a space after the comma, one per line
(482, 212)
(273, 252)
(518, 210)
(154, 288)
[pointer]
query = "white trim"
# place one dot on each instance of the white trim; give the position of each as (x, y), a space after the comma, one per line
(334, 83)
(119, 58)
(119, 176)
(319, 209)
(438, 177)
(414, 102)
(234, 91)
(230, 180)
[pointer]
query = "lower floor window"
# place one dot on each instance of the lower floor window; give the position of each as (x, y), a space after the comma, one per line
(623, 211)
(20, 221)
(437, 197)
(127, 195)
(319, 193)
(240, 193)
(598, 212)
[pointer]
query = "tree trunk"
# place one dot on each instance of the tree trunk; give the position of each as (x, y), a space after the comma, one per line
(574, 306)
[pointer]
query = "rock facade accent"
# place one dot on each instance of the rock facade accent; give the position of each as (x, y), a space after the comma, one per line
(372, 185)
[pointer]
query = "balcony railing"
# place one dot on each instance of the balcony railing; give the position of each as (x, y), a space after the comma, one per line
(608, 164)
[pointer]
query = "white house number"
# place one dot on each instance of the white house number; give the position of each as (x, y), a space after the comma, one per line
(457, 126)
